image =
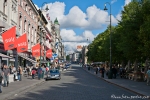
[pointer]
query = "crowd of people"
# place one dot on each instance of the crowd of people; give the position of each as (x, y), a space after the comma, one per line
(5, 72)
(103, 70)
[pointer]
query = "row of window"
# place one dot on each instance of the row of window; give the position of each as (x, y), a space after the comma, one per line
(29, 11)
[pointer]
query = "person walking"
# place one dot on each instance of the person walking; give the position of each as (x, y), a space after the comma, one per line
(39, 70)
(14, 71)
(28, 71)
(96, 69)
(6, 72)
(114, 72)
(1, 78)
(19, 73)
(43, 71)
(102, 70)
(33, 72)
(148, 76)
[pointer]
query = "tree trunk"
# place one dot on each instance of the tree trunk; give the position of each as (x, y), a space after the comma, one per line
(146, 65)
(128, 66)
(135, 66)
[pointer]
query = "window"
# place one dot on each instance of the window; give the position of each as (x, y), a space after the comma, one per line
(20, 21)
(26, 7)
(25, 21)
(4, 6)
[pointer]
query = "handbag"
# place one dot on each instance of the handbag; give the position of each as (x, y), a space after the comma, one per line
(16, 77)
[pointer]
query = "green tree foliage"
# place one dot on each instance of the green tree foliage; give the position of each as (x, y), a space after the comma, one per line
(130, 38)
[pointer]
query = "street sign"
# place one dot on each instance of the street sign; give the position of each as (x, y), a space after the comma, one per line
(55, 55)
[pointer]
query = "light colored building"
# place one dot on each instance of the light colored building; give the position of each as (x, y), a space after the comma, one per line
(8, 19)
(84, 57)
(58, 38)
(41, 34)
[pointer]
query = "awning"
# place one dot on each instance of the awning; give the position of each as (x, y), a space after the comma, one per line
(5, 57)
(31, 60)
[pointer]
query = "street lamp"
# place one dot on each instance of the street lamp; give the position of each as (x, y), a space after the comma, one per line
(46, 9)
(88, 39)
(110, 65)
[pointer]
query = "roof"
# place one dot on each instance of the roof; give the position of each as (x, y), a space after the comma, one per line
(56, 21)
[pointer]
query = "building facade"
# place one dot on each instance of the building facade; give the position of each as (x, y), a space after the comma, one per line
(8, 19)
(84, 57)
(27, 23)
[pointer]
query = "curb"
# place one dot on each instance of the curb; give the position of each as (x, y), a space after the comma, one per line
(13, 93)
(117, 85)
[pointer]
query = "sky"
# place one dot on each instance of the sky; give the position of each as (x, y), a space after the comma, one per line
(82, 20)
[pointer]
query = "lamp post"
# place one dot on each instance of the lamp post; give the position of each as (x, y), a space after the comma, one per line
(110, 65)
(88, 39)
(40, 31)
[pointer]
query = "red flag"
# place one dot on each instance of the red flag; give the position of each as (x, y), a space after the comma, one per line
(22, 43)
(9, 38)
(36, 50)
(49, 53)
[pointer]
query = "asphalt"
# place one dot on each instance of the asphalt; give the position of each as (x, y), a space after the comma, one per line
(139, 88)
(16, 87)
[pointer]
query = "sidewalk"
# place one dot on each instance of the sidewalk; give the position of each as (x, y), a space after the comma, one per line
(19, 86)
(139, 88)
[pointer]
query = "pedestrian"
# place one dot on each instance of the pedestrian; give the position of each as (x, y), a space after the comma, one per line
(39, 70)
(33, 72)
(6, 71)
(148, 76)
(28, 71)
(102, 70)
(14, 71)
(47, 70)
(19, 73)
(96, 69)
(1, 78)
(43, 71)
(114, 72)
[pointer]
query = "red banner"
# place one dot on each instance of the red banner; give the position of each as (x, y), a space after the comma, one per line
(9, 38)
(22, 43)
(49, 53)
(36, 50)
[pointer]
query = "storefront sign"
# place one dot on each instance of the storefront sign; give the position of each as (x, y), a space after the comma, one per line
(49, 53)
(9, 38)
(4, 58)
(22, 43)
(36, 50)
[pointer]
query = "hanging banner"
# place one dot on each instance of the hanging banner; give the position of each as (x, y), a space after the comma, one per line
(9, 38)
(36, 50)
(49, 53)
(22, 43)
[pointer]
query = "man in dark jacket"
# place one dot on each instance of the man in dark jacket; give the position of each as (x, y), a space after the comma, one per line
(114, 72)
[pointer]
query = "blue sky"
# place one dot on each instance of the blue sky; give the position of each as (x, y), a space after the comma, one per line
(80, 19)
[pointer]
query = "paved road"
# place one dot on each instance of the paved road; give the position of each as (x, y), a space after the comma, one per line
(76, 84)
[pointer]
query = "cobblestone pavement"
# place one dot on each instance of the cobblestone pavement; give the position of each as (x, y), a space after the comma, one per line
(76, 84)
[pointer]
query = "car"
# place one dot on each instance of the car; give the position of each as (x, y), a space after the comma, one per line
(53, 74)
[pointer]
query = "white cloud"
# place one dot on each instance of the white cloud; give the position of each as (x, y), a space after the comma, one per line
(113, 1)
(127, 2)
(94, 18)
(71, 40)
(36, 7)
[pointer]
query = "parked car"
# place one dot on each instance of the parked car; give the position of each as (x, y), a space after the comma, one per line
(53, 74)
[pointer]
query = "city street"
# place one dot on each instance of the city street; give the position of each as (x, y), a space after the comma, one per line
(75, 84)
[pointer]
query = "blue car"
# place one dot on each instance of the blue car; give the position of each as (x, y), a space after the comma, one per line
(53, 74)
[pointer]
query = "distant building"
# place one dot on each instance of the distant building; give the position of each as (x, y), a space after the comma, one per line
(84, 57)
